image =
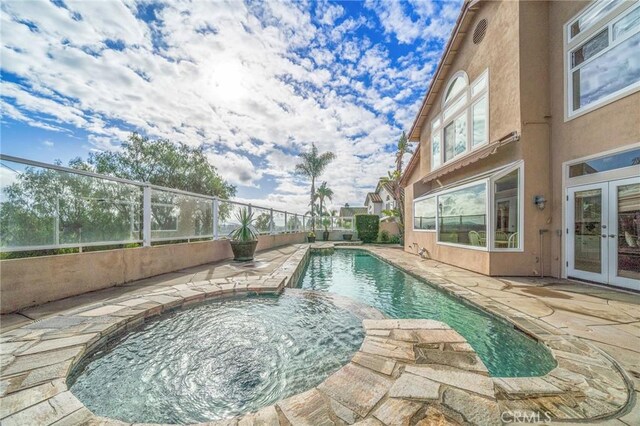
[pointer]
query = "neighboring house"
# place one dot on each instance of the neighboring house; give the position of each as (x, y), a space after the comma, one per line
(529, 144)
(373, 203)
(381, 199)
(348, 211)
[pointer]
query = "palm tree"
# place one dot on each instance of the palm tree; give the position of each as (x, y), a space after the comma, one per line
(312, 166)
(323, 192)
(394, 179)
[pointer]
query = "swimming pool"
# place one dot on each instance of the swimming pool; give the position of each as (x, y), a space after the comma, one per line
(221, 358)
(361, 276)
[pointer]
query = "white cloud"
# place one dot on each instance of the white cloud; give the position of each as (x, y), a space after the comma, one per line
(255, 84)
(236, 169)
(48, 143)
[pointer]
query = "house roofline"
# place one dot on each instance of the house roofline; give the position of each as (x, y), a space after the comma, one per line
(468, 8)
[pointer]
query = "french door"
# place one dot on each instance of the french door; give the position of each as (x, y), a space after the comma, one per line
(603, 232)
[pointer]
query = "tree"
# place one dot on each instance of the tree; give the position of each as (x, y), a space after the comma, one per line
(393, 179)
(263, 222)
(312, 166)
(161, 163)
(323, 192)
(48, 207)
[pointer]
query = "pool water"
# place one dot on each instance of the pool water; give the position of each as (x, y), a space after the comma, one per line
(505, 351)
(221, 358)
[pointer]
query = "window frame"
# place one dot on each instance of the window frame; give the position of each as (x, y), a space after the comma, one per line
(439, 123)
(489, 182)
(484, 181)
(520, 167)
(572, 44)
(423, 198)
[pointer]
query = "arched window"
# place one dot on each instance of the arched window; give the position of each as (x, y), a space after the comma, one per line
(456, 85)
(462, 124)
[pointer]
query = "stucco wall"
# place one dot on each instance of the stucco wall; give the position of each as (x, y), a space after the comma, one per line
(499, 53)
(608, 127)
(36, 280)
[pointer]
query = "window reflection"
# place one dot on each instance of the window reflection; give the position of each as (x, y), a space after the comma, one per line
(506, 211)
(424, 214)
(462, 216)
(613, 71)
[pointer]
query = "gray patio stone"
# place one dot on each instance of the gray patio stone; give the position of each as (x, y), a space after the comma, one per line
(31, 362)
(411, 386)
(356, 387)
(267, 416)
(524, 386)
(439, 336)
(45, 412)
(388, 348)
(103, 310)
(308, 408)
(18, 401)
(342, 412)
(48, 345)
(476, 410)
(374, 362)
(454, 377)
(397, 411)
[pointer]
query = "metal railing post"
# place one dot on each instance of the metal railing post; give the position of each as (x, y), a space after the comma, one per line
(215, 208)
(286, 227)
(56, 231)
(250, 210)
(146, 216)
(271, 230)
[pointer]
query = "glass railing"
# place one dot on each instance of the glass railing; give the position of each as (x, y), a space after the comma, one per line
(45, 206)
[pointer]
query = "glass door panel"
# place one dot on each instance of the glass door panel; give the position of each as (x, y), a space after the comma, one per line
(587, 226)
(624, 239)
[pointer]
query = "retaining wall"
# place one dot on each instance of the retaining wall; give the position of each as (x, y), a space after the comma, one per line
(35, 280)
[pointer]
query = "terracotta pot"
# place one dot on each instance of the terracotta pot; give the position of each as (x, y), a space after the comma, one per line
(325, 235)
(243, 250)
(311, 239)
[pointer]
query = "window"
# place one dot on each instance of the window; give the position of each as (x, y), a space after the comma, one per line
(464, 122)
(603, 164)
(506, 211)
(602, 55)
(462, 216)
(424, 214)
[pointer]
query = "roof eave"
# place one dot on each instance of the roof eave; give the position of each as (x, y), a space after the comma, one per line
(467, 11)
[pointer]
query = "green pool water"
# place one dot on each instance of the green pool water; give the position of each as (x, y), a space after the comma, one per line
(505, 351)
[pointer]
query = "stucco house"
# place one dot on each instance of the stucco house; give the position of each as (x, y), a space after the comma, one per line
(381, 199)
(528, 158)
(348, 211)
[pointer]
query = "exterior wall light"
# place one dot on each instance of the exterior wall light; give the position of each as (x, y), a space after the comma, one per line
(539, 201)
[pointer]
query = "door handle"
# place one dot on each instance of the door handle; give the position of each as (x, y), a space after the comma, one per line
(612, 236)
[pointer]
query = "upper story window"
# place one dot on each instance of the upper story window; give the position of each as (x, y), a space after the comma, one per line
(463, 123)
(602, 55)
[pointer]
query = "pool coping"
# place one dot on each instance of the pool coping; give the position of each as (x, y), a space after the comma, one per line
(39, 356)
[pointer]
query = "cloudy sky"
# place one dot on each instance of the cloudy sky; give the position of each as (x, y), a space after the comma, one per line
(255, 82)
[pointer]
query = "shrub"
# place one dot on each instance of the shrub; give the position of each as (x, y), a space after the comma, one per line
(367, 226)
(383, 236)
(395, 239)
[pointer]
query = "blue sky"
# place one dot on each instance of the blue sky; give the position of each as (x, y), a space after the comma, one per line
(255, 82)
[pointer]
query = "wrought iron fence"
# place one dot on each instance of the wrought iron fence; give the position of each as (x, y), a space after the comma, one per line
(45, 206)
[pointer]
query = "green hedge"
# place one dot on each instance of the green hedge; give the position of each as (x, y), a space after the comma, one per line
(367, 226)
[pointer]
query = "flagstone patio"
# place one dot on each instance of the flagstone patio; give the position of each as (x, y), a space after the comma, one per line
(406, 371)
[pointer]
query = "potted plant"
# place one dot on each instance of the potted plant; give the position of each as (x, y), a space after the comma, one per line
(325, 233)
(311, 237)
(244, 239)
(347, 237)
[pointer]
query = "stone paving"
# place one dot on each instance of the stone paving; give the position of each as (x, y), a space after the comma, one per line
(406, 371)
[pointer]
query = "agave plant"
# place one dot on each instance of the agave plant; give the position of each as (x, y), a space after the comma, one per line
(245, 231)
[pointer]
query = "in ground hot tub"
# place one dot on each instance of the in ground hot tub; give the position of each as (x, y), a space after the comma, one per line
(221, 358)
